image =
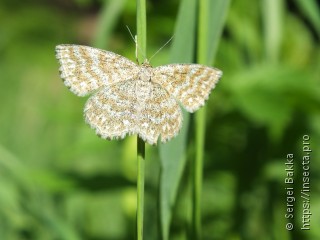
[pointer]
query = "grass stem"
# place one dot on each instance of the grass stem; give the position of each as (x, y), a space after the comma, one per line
(200, 122)
(141, 54)
(140, 187)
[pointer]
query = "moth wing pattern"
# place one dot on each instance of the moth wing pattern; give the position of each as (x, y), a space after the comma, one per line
(190, 84)
(85, 69)
(160, 114)
(134, 107)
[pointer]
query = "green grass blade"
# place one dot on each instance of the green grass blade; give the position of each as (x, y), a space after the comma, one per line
(217, 17)
(140, 186)
(108, 17)
(210, 24)
(172, 154)
(272, 15)
(182, 50)
(141, 30)
(142, 46)
(311, 11)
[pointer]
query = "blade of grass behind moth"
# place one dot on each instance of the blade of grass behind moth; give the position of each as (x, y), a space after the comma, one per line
(142, 44)
(212, 16)
(173, 154)
(107, 19)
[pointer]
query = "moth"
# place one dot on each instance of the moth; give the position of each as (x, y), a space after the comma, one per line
(127, 98)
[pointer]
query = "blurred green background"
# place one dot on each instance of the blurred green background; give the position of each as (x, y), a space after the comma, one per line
(58, 180)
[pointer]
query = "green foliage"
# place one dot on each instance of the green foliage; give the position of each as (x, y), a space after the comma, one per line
(59, 181)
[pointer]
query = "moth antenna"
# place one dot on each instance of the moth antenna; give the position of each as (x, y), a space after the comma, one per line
(135, 39)
(161, 48)
(136, 42)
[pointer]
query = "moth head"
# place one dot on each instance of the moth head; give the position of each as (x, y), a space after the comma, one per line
(146, 63)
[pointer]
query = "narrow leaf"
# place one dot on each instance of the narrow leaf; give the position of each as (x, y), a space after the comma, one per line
(172, 154)
(311, 11)
(211, 21)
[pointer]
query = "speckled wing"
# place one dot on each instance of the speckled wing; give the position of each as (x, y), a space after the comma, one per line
(86, 69)
(190, 84)
(134, 107)
(160, 114)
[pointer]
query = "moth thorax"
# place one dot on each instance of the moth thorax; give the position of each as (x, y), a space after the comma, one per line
(145, 73)
(143, 89)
